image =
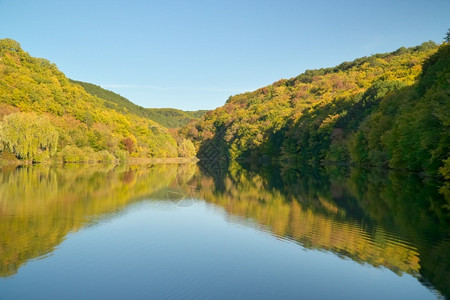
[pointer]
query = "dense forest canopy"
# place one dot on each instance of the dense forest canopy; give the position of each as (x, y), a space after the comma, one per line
(388, 110)
(37, 98)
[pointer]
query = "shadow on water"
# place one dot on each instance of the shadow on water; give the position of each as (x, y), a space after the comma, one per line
(397, 221)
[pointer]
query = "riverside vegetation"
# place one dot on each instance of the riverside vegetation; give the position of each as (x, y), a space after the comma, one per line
(389, 110)
(45, 116)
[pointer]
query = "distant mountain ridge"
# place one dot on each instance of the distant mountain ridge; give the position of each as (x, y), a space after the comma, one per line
(167, 117)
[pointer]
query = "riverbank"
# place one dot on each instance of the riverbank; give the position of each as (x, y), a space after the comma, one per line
(13, 161)
(161, 160)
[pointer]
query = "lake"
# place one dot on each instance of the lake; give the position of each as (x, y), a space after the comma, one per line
(170, 231)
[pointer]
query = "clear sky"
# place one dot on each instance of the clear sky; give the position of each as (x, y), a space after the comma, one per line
(195, 54)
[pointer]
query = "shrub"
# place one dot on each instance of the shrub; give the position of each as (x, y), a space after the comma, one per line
(121, 155)
(71, 154)
(105, 156)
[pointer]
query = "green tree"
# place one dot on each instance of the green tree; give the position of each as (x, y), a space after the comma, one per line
(29, 136)
(72, 154)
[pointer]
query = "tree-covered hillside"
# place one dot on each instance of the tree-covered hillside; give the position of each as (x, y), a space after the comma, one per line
(43, 114)
(173, 118)
(168, 117)
(378, 110)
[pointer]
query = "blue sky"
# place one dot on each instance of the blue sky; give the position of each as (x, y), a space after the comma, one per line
(195, 54)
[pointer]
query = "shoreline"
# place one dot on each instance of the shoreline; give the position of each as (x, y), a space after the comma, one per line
(131, 160)
(161, 160)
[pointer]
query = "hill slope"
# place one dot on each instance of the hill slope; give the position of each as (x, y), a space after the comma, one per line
(168, 117)
(371, 111)
(43, 114)
(173, 118)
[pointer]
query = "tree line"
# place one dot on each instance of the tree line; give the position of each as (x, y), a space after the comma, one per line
(45, 116)
(389, 110)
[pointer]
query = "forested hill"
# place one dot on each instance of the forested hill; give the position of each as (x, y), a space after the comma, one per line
(168, 117)
(388, 109)
(173, 118)
(43, 114)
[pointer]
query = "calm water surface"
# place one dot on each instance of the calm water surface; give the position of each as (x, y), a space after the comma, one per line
(184, 231)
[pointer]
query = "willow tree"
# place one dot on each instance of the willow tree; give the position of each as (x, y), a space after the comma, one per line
(28, 136)
(186, 149)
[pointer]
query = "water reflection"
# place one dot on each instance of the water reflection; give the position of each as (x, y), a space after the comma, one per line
(397, 221)
(40, 205)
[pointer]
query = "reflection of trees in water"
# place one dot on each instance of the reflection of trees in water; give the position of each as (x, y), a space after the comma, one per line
(382, 218)
(40, 205)
(385, 219)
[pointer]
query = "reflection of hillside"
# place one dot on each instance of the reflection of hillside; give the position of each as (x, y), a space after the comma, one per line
(381, 220)
(386, 220)
(416, 210)
(312, 228)
(40, 205)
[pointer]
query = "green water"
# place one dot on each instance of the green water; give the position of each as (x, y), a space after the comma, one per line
(191, 232)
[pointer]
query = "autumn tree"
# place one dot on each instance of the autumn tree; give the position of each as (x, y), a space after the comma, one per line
(29, 136)
(128, 144)
(186, 149)
(83, 118)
